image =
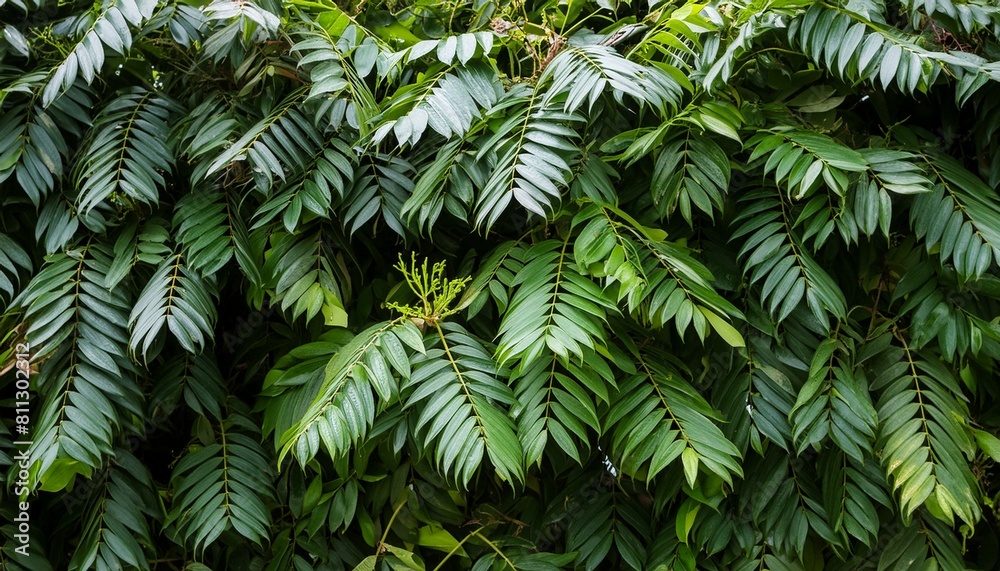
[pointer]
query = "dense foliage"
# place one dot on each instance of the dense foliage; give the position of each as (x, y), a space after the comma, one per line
(533, 285)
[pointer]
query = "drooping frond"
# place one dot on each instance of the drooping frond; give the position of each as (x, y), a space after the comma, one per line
(867, 203)
(34, 141)
(358, 379)
(294, 381)
(382, 185)
(225, 485)
(773, 252)
(853, 494)
(553, 309)
(924, 434)
(834, 402)
(657, 418)
(691, 170)
(945, 308)
(659, 280)
(112, 29)
(176, 298)
(584, 72)
(960, 216)
(555, 402)
(275, 147)
(195, 378)
(116, 531)
(532, 149)
(312, 194)
(858, 49)
(305, 277)
(204, 132)
(135, 244)
(13, 261)
(127, 155)
(237, 24)
(756, 394)
(463, 406)
(788, 505)
(897, 171)
(450, 183)
(88, 383)
(925, 543)
(187, 24)
(339, 58)
(800, 160)
(211, 231)
(448, 102)
(610, 518)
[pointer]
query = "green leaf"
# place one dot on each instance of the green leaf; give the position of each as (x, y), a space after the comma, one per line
(462, 406)
(553, 309)
(117, 531)
(989, 444)
(225, 485)
(175, 299)
(342, 411)
(127, 154)
(725, 330)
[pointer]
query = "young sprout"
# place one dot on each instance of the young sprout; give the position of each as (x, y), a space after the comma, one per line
(435, 291)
